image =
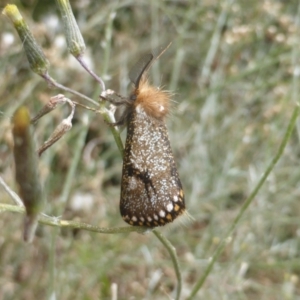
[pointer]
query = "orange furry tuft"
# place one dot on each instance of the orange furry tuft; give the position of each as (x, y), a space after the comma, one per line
(155, 102)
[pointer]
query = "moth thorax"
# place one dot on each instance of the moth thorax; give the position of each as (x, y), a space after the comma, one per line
(155, 102)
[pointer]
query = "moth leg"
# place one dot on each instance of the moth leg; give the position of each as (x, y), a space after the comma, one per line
(114, 98)
(118, 101)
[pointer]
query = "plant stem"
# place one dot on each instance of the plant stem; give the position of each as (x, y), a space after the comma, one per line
(246, 204)
(56, 222)
(172, 251)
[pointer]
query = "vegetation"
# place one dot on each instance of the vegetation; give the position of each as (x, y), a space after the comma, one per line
(234, 70)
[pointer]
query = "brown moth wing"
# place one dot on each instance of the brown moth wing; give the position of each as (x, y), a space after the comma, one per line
(151, 191)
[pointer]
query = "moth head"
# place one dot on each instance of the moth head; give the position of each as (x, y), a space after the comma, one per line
(145, 97)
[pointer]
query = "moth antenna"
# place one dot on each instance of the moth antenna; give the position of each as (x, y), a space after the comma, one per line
(144, 64)
(159, 51)
(139, 68)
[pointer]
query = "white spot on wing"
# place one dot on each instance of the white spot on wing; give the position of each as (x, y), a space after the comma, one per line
(170, 207)
(162, 214)
(132, 183)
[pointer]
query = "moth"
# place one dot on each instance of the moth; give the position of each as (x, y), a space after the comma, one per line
(151, 191)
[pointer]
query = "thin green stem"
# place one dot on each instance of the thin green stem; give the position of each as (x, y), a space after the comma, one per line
(172, 251)
(249, 200)
(51, 81)
(11, 193)
(91, 72)
(56, 222)
(215, 41)
(109, 118)
(52, 265)
(75, 160)
(108, 39)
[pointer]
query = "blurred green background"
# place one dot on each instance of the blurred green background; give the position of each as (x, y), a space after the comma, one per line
(234, 70)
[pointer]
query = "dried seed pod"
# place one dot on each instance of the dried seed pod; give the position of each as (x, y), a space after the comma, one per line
(151, 191)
